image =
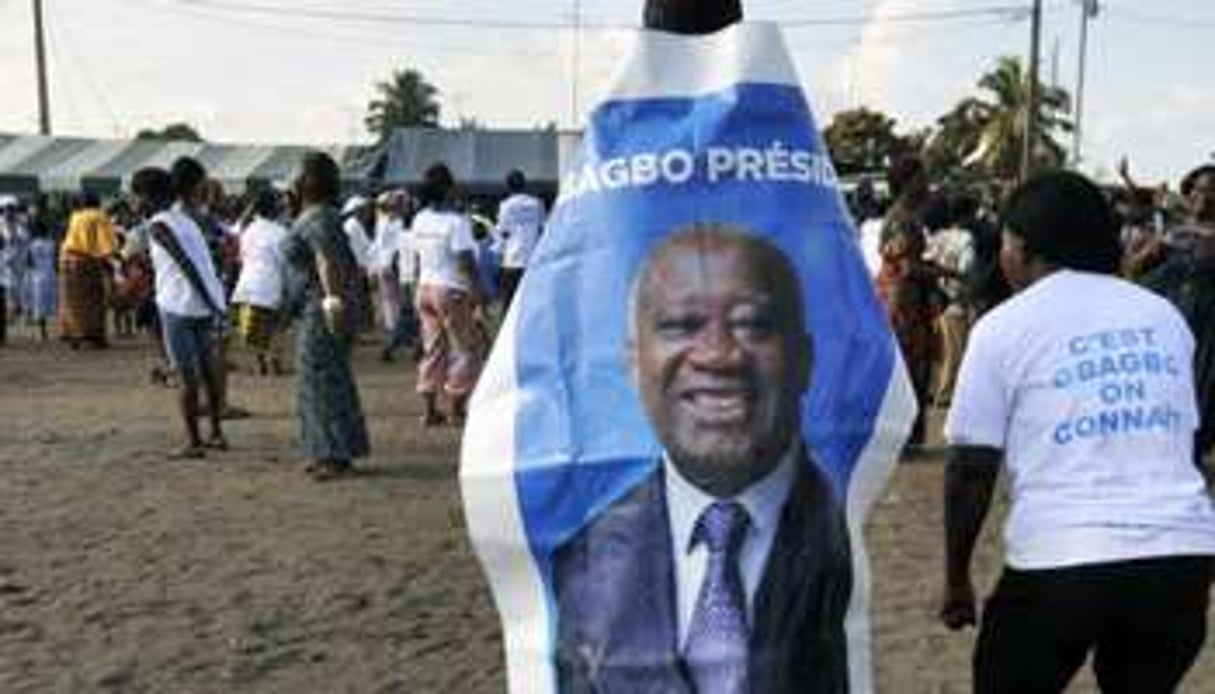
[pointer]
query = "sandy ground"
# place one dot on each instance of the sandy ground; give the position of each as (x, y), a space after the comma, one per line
(123, 572)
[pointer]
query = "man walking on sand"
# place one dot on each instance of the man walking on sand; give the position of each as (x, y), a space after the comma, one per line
(189, 295)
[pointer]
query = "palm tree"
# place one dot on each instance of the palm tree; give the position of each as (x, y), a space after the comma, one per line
(955, 139)
(1001, 121)
(405, 100)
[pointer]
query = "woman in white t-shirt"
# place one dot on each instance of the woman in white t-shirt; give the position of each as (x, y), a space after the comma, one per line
(1082, 386)
(448, 295)
(259, 289)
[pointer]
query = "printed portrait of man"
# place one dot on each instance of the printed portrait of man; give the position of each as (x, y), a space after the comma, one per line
(728, 568)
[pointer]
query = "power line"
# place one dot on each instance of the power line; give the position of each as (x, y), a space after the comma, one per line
(1122, 12)
(312, 32)
(80, 66)
(1004, 11)
(381, 17)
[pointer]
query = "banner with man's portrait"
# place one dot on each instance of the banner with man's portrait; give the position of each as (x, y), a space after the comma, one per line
(694, 399)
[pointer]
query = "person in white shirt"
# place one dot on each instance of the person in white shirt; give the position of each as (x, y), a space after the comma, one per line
(520, 220)
(449, 294)
(952, 250)
(259, 288)
(15, 238)
(356, 216)
(39, 261)
(6, 280)
(382, 261)
(400, 263)
(358, 223)
(1082, 384)
(188, 292)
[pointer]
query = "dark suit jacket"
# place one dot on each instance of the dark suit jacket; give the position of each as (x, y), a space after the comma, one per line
(615, 593)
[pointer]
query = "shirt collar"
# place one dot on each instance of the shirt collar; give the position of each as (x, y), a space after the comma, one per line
(763, 500)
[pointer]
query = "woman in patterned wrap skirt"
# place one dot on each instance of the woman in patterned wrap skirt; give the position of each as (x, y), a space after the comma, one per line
(322, 279)
(85, 274)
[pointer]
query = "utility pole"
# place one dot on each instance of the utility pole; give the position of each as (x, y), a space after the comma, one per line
(44, 101)
(1088, 10)
(1031, 111)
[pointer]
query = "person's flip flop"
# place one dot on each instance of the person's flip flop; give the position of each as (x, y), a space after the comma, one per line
(433, 420)
(326, 473)
(216, 443)
(188, 452)
(231, 412)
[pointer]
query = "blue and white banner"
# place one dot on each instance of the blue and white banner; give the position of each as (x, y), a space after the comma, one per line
(694, 400)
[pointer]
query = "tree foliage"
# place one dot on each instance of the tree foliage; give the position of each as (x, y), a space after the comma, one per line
(404, 100)
(173, 131)
(861, 139)
(988, 131)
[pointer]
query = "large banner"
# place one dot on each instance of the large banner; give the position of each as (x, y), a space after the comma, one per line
(694, 400)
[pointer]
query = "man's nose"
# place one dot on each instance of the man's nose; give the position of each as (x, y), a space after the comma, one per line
(716, 348)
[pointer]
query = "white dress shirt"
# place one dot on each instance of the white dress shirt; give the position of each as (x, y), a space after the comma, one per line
(763, 501)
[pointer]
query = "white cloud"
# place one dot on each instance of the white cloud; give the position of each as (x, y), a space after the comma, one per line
(1164, 128)
(877, 50)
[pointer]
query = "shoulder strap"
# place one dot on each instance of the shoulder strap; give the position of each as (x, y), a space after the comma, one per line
(185, 264)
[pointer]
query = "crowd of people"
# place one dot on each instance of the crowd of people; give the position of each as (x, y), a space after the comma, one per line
(197, 270)
(1070, 332)
(1016, 312)
(426, 268)
(934, 251)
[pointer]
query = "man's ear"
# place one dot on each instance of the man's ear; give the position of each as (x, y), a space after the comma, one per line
(630, 355)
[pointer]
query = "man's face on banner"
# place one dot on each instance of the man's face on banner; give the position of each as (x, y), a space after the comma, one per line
(720, 355)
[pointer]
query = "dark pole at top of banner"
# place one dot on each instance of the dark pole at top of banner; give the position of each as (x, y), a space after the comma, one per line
(692, 16)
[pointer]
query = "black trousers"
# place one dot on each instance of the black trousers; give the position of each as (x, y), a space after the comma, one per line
(3, 315)
(1143, 620)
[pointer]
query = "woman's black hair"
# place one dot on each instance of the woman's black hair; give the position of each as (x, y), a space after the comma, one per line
(1191, 179)
(516, 181)
(266, 203)
(1063, 218)
(437, 185)
(320, 177)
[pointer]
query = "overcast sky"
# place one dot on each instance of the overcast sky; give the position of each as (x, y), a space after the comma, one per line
(302, 71)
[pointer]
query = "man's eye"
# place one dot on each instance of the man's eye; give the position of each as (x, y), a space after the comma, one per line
(678, 326)
(753, 327)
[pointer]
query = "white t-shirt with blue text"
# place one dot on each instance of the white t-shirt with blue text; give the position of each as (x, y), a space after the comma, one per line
(1085, 381)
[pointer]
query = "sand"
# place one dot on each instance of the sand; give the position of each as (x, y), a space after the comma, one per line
(121, 571)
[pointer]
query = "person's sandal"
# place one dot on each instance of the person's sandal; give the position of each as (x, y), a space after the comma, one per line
(216, 443)
(231, 412)
(189, 451)
(433, 419)
(326, 472)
